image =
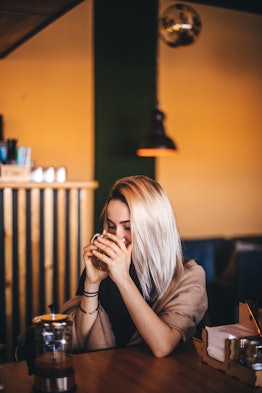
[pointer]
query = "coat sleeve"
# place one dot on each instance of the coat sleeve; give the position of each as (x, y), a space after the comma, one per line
(100, 335)
(185, 303)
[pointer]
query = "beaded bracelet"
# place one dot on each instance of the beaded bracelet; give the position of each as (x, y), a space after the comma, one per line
(86, 312)
(90, 294)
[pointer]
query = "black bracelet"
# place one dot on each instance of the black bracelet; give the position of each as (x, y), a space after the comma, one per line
(86, 312)
(90, 294)
(87, 295)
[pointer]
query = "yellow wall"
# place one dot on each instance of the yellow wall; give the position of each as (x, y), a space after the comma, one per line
(46, 94)
(211, 94)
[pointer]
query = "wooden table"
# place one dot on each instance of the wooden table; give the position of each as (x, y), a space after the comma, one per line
(135, 370)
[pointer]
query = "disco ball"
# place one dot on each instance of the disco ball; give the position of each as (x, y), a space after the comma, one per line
(179, 25)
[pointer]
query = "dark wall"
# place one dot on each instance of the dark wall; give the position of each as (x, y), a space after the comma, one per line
(125, 89)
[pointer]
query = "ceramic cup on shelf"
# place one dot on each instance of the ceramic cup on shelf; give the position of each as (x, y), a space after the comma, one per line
(37, 175)
(49, 175)
(61, 175)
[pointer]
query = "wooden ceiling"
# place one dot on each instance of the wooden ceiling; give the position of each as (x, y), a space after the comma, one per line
(252, 6)
(22, 19)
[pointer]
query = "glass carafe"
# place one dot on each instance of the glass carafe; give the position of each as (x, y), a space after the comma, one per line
(53, 354)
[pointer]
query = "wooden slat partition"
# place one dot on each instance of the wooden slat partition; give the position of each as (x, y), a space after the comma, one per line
(43, 228)
(61, 206)
(7, 244)
(35, 241)
(21, 254)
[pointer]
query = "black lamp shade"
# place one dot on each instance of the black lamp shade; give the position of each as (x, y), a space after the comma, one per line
(156, 143)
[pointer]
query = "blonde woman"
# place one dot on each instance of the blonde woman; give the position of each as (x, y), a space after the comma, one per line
(136, 286)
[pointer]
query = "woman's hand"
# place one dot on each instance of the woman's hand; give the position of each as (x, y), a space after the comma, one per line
(94, 275)
(114, 254)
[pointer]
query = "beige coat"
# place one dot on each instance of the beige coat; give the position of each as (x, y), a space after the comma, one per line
(182, 307)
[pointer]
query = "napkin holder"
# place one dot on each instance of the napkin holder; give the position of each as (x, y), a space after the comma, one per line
(230, 366)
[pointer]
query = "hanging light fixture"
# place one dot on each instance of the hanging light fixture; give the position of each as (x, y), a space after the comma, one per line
(179, 25)
(156, 143)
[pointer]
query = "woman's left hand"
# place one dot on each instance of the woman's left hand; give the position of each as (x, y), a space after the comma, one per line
(115, 254)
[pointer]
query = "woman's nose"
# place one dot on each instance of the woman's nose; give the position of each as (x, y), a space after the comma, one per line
(120, 233)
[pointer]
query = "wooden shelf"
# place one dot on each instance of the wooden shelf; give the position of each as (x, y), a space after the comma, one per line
(92, 184)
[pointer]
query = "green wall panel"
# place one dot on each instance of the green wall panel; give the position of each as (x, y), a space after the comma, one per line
(125, 90)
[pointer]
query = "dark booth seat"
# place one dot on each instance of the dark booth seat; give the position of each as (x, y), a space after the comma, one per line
(249, 272)
(233, 268)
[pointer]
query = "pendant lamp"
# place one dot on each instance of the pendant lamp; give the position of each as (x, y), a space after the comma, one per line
(157, 143)
(178, 25)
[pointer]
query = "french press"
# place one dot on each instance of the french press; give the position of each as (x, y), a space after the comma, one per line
(53, 363)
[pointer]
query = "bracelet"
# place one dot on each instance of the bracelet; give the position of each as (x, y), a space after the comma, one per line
(85, 312)
(90, 294)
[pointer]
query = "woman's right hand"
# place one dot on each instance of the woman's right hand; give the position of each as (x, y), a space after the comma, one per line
(94, 273)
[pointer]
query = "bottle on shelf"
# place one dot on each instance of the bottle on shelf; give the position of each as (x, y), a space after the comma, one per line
(2, 142)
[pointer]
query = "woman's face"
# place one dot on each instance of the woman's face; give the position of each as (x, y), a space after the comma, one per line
(118, 219)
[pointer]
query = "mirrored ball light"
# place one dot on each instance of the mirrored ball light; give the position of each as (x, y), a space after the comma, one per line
(179, 25)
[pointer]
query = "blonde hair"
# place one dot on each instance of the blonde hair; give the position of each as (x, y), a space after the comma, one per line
(156, 246)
